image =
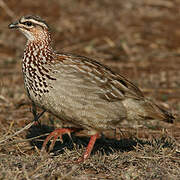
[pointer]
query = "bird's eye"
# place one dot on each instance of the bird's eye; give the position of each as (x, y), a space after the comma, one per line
(28, 23)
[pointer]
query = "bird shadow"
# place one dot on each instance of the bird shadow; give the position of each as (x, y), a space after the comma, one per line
(104, 145)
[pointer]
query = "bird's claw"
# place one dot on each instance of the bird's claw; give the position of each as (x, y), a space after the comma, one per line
(57, 133)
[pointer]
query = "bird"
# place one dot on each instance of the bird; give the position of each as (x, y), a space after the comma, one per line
(78, 90)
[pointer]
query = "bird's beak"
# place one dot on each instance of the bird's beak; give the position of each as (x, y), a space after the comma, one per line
(14, 25)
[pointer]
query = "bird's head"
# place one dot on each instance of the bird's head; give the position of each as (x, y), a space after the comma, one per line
(33, 27)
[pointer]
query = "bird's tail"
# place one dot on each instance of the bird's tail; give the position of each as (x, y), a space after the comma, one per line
(157, 112)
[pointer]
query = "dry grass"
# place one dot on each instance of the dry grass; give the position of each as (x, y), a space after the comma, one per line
(141, 40)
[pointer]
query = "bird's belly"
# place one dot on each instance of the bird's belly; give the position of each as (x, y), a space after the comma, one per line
(83, 111)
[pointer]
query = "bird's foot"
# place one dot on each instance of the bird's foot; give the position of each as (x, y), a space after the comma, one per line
(57, 133)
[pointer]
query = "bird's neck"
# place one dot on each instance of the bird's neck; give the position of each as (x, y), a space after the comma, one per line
(40, 51)
(39, 44)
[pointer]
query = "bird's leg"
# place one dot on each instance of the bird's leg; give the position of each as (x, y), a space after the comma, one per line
(55, 134)
(35, 114)
(88, 148)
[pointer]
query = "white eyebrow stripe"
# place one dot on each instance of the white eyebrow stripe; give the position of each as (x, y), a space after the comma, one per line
(33, 21)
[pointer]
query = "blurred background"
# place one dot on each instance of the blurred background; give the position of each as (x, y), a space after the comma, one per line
(139, 39)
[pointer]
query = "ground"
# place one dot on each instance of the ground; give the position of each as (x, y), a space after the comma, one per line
(138, 39)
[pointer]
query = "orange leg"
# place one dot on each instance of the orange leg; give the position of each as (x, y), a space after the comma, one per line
(55, 134)
(59, 132)
(89, 148)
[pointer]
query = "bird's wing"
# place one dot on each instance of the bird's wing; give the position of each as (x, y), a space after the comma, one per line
(111, 86)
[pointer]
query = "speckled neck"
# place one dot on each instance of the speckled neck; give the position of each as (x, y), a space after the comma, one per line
(37, 54)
